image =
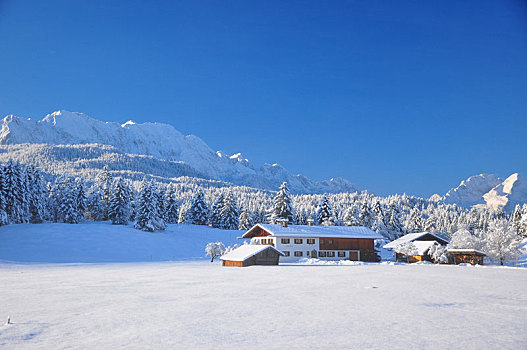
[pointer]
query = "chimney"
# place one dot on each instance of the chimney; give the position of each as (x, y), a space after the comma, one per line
(284, 222)
(310, 222)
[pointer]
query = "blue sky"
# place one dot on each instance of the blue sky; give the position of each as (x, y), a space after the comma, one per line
(396, 96)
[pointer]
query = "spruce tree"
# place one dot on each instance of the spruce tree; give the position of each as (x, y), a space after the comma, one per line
(365, 216)
(103, 184)
(246, 220)
(37, 200)
(282, 206)
(147, 214)
(216, 219)
(172, 207)
(230, 213)
(325, 213)
(119, 204)
(94, 207)
(80, 201)
(198, 213)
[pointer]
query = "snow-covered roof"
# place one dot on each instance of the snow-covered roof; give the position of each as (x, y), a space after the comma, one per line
(423, 246)
(245, 251)
(466, 251)
(316, 231)
(411, 237)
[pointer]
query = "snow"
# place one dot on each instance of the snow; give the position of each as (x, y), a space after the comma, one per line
(471, 191)
(199, 305)
(489, 191)
(103, 242)
(423, 246)
(161, 141)
(411, 237)
(465, 251)
(506, 195)
(320, 231)
(246, 251)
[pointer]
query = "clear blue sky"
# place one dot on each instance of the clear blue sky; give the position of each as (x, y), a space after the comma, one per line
(396, 96)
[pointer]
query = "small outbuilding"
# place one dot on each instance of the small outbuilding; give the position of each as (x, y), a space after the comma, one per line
(252, 254)
(422, 241)
(468, 256)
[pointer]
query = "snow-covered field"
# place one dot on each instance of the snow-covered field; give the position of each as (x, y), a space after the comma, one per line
(199, 305)
(98, 286)
(103, 242)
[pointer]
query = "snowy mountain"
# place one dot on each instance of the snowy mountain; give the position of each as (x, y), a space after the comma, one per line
(470, 191)
(162, 142)
(507, 194)
(489, 191)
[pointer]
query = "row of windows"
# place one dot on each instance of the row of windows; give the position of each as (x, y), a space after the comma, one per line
(330, 241)
(298, 241)
(321, 254)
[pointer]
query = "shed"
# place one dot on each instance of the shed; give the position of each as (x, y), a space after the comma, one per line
(470, 256)
(252, 254)
(423, 241)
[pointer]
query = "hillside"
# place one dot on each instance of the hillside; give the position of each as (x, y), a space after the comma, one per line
(103, 242)
(161, 142)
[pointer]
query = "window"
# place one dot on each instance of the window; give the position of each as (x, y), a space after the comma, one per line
(330, 241)
(342, 254)
(307, 253)
(285, 240)
(286, 253)
(322, 254)
(310, 241)
(331, 254)
(298, 253)
(321, 241)
(298, 240)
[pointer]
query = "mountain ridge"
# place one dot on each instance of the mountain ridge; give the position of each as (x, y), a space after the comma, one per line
(162, 141)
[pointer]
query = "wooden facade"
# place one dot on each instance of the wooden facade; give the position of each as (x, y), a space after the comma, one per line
(359, 248)
(468, 257)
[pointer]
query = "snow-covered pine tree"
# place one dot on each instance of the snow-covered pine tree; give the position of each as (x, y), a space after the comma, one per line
(4, 220)
(38, 194)
(246, 220)
(103, 185)
(198, 213)
(365, 216)
(350, 217)
(13, 192)
(516, 220)
(230, 213)
(395, 227)
(216, 220)
(95, 209)
(325, 213)
(415, 222)
(172, 207)
(282, 208)
(119, 204)
(147, 215)
(430, 225)
(80, 200)
(68, 211)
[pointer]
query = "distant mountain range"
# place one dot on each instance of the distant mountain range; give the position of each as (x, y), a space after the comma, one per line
(487, 190)
(187, 155)
(75, 144)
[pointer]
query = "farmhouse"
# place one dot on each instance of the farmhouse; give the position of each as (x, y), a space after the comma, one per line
(248, 255)
(322, 242)
(470, 256)
(422, 242)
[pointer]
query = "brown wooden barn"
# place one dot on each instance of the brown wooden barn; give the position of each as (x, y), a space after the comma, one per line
(248, 255)
(468, 256)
